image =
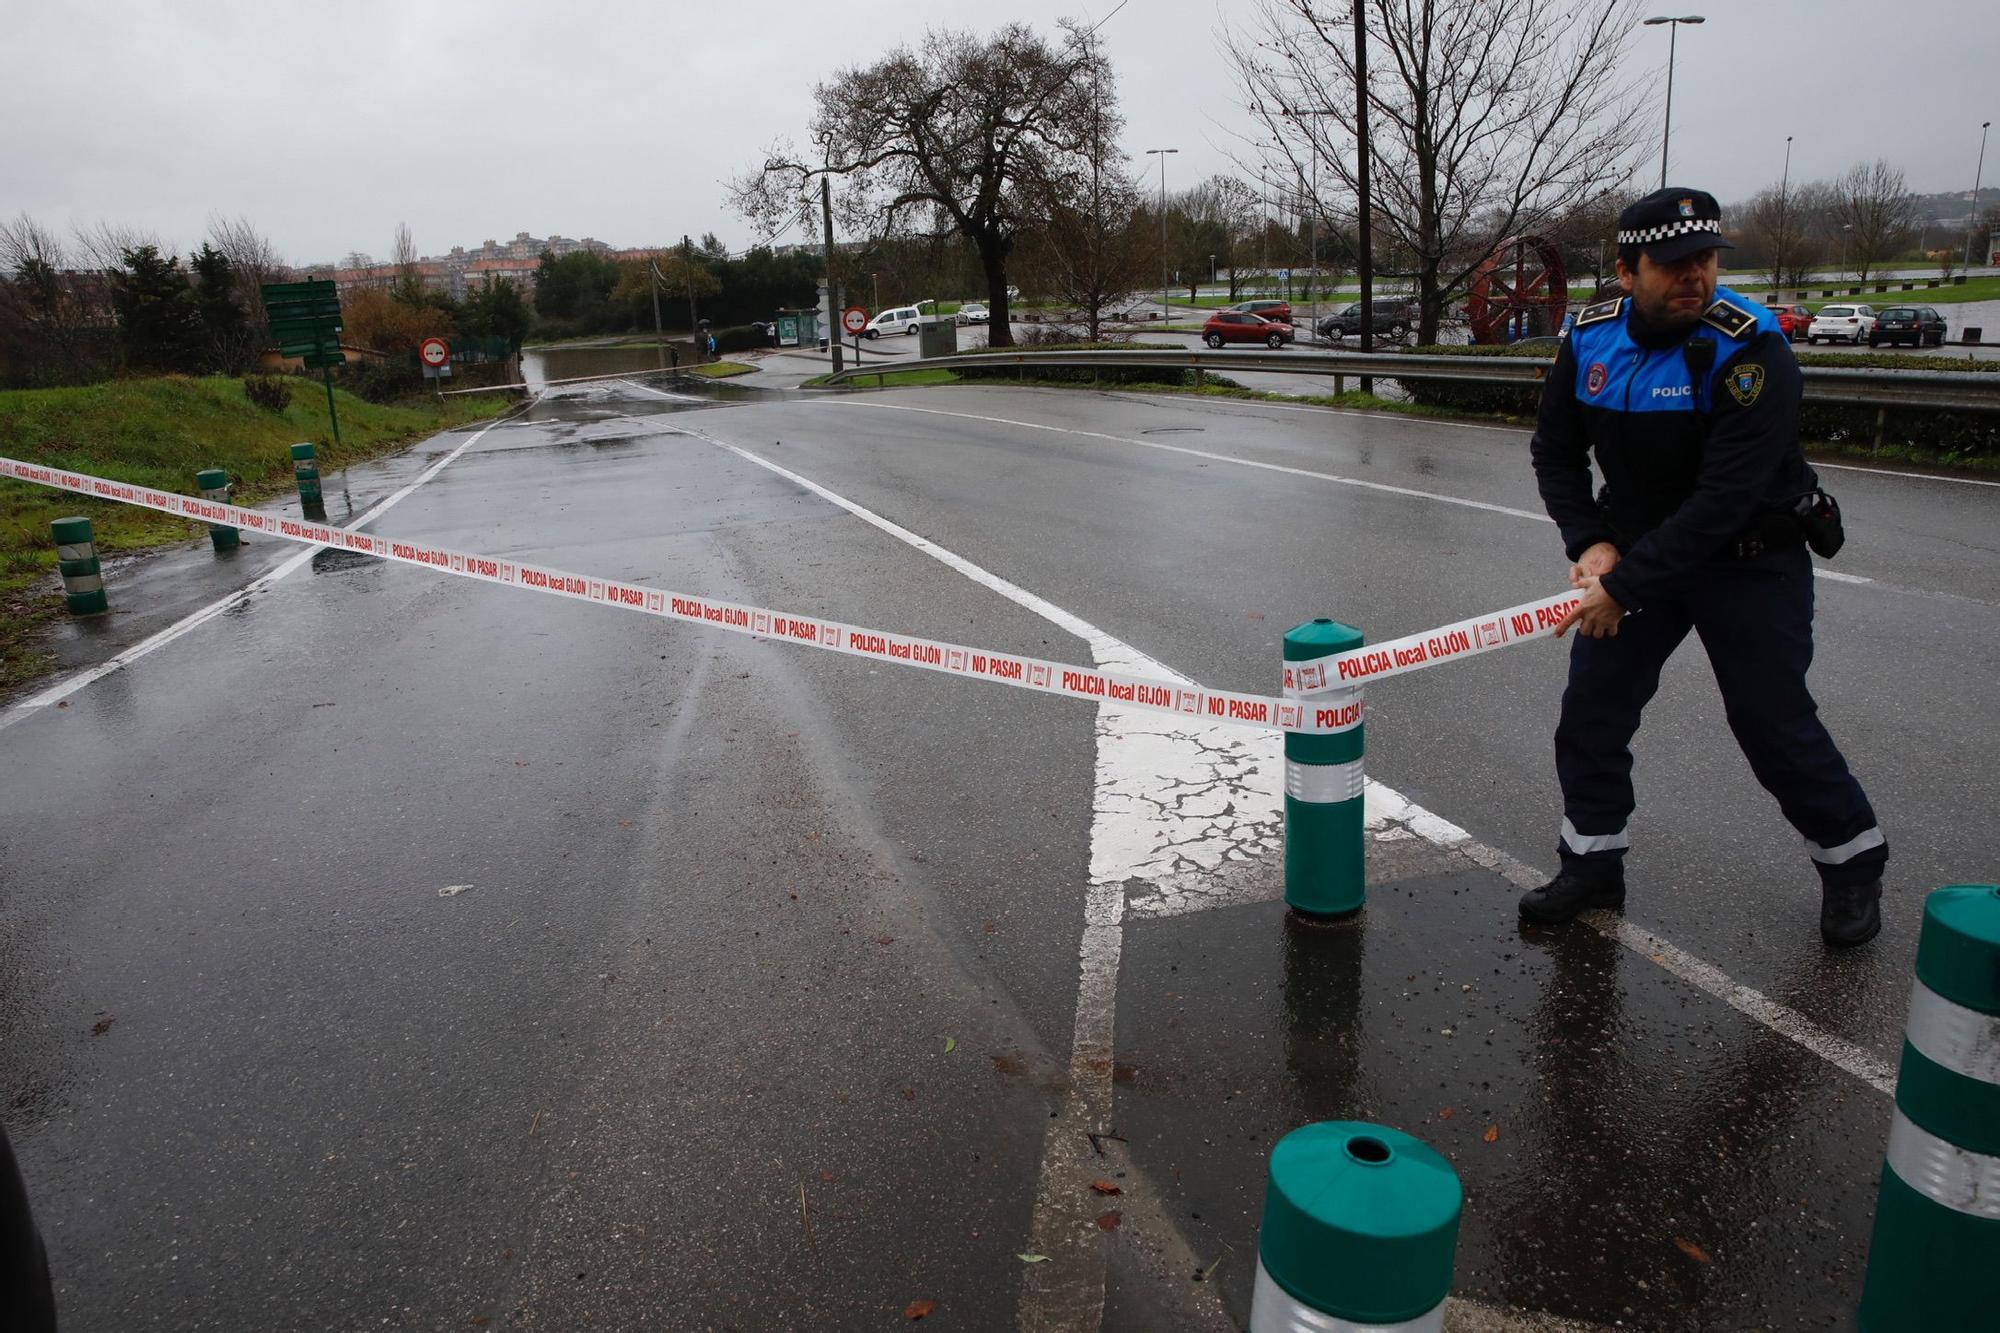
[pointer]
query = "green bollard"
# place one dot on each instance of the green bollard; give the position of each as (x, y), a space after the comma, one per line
(214, 485)
(76, 557)
(1360, 1230)
(1325, 865)
(1934, 1261)
(305, 467)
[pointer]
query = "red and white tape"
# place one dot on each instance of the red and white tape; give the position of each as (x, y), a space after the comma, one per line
(1413, 652)
(1262, 712)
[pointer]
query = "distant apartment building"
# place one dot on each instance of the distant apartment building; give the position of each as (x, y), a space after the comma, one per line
(459, 270)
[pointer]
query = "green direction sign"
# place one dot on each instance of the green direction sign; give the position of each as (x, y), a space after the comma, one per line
(305, 319)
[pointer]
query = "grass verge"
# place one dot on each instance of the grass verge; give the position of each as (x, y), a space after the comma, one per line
(718, 370)
(159, 432)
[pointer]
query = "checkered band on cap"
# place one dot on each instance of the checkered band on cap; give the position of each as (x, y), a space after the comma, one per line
(1666, 231)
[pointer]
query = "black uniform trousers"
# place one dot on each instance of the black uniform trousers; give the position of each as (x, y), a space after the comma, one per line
(1754, 617)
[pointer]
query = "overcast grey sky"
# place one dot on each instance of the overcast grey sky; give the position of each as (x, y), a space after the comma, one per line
(326, 124)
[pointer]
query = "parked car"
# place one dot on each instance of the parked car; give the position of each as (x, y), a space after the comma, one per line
(1793, 321)
(900, 319)
(973, 312)
(1835, 322)
(1919, 324)
(1394, 318)
(1278, 312)
(1236, 326)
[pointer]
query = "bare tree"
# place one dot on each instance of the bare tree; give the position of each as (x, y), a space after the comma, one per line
(57, 324)
(409, 285)
(1778, 224)
(1487, 117)
(102, 246)
(253, 261)
(1875, 208)
(942, 139)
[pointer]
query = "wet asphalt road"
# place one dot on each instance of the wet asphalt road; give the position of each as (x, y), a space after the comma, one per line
(730, 902)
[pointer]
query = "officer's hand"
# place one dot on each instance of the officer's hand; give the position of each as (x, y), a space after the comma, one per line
(1595, 562)
(1597, 615)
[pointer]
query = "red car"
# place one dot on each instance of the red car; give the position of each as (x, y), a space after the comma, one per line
(1233, 326)
(1278, 312)
(1793, 320)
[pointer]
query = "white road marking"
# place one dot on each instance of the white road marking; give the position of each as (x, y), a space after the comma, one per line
(195, 620)
(1335, 477)
(1143, 833)
(1913, 476)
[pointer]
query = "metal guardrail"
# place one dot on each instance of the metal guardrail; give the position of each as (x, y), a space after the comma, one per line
(1966, 391)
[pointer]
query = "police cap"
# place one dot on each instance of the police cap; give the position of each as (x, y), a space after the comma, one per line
(1672, 224)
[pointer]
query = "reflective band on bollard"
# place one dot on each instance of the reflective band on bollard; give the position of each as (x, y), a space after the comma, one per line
(1325, 869)
(1934, 1261)
(305, 468)
(76, 558)
(214, 485)
(1360, 1229)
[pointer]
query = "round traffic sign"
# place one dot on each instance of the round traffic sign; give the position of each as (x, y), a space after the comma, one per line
(854, 319)
(434, 351)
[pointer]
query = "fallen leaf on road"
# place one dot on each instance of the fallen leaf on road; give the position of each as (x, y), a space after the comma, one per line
(453, 890)
(826, 1177)
(918, 1309)
(990, 927)
(1692, 1251)
(62, 703)
(885, 939)
(909, 1094)
(1105, 1187)
(1447, 1113)
(1109, 1221)
(103, 1025)
(1032, 1258)
(1492, 1134)
(950, 1045)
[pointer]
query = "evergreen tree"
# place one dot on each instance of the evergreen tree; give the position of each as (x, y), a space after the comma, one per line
(224, 339)
(156, 312)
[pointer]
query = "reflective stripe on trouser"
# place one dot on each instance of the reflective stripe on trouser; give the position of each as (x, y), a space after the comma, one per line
(1275, 1310)
(1931, 1262)
(1754, 618)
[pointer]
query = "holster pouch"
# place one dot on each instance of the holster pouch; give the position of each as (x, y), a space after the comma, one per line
(1818, 517)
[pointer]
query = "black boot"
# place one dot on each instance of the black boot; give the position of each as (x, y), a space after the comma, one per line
(1571, 893)
(1850, 914)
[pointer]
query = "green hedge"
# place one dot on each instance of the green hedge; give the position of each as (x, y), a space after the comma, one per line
(1916, 432)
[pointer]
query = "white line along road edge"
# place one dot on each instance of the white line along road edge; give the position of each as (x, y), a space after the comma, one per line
(194, 620)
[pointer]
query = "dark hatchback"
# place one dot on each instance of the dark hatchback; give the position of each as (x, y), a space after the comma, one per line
(1918, 325)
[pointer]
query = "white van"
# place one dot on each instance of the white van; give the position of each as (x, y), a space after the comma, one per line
(901, 319)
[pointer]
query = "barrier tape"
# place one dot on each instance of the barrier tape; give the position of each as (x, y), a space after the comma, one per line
(1258, 711)
(1413, 652)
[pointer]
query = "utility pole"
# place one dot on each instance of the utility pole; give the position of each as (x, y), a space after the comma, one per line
(1978, 172)
(659, 334)
(1161, 153)
(832, 292)
(694, 327)
(1365, 227)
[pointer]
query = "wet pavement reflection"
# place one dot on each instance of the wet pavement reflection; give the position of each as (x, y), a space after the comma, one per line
(1631, 1150)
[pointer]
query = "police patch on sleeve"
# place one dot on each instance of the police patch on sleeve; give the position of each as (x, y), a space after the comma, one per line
(1745, 383)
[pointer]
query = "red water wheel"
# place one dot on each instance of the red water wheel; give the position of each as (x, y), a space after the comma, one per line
(1521, 291)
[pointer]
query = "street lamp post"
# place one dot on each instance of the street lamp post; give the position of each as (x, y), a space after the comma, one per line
(1312, 141)
(1673, 33)
(1784, 218)
(1978, 172)
(1161, 153)
(1846, 230)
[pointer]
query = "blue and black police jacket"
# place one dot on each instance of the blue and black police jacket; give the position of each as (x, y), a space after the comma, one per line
(1695, 434)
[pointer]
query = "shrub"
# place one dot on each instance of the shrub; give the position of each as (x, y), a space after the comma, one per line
(269, 392)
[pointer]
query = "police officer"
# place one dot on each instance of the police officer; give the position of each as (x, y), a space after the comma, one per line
(1688, 396)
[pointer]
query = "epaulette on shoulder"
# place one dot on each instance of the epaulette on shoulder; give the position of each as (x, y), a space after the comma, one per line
(1603, 310)
(1732, 319)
